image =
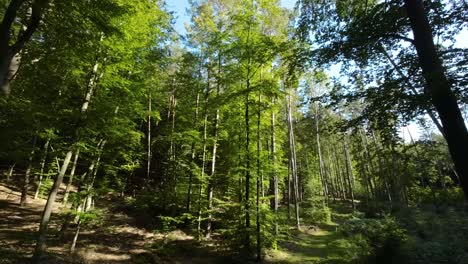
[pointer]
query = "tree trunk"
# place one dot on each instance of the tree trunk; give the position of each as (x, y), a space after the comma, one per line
(367, 164)
(43, 228)
(439, 88)
(9, 58)
(7, 55)
(319, 150)
(193, 155)
(292, 155)
(41, 173)
(24, 193)
(274, 178)
(10, 172)
(148, 154)
(75, 238)
(259, 146)
(213, 157)
(349, 173)
(70, 181)
(202, 172)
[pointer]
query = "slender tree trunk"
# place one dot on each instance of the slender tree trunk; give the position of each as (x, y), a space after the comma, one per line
(440, 90)
(41, 173)
(259, 146)
(341, 189)
(202, 173)
(289, 189)
(43, 228)
(213, 156)
(148, 154)
(24, 193)
(368, 163)
(10, 171)
(247, 169)
(349, 172)
(292, 149)
(172, 149)
(193, 155)
(274, 178)
(70, 181)
(319, 150)
(75, 237)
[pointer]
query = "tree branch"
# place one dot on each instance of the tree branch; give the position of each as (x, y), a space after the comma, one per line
(33, 24)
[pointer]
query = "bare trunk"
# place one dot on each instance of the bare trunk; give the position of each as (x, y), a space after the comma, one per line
(292, 155)
(75, 238)
(319, 150)
(148, 165)
(193, 155)
(247, 168)
(274, 179)
(10, 172)
(440, 90)
(349, 173)
(24, 193)
(41, 173)
(43, 228)
(259, 149)
(213, 160)
(70, 181)
(202, 173)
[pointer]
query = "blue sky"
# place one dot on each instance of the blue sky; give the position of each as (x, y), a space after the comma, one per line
(180, 6)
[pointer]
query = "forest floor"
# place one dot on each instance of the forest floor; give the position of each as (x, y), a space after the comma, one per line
(118, 239)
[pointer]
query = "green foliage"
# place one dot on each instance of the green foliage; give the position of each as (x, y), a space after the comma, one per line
(318, 215)
(436, 236)
(378, 240)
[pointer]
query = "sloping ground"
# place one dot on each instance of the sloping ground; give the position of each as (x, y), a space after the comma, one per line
(115, 240)
(118, 239)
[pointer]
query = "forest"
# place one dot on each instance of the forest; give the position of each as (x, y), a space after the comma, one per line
(261, 134)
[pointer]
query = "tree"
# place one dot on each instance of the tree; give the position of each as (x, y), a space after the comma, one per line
(9, 53)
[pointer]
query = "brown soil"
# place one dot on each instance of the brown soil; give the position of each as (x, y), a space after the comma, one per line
(115, 240)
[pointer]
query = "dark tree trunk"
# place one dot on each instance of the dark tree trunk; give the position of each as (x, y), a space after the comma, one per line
(7, 51)
(439, 88)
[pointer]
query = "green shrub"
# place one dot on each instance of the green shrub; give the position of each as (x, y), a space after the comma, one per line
(318, 215)
(436, 237)
(378, 240)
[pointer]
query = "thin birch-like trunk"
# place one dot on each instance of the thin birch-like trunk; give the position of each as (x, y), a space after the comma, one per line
(259, 182)
(41, 173)
(44, 225)
(24, 193)
(349, 173)
(202, 172)
(148, 154)
(193, 155)
(274, 180)
(292, 155)
(70, 181)
(213, 157)
(321, 163)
